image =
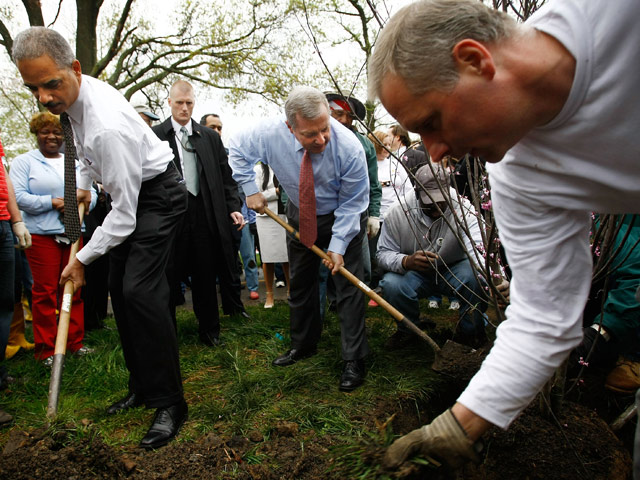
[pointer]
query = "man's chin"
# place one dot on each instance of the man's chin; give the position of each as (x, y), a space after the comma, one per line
(317, 150)
(489, 156)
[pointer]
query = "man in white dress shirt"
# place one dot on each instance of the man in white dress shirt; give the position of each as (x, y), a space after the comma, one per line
(552, 111)
(117, 149)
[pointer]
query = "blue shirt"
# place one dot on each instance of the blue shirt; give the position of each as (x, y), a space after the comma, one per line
(340, 172)
(36, 182)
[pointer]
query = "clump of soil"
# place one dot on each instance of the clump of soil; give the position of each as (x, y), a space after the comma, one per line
(577, 445)
(581, 447)
(39, 455)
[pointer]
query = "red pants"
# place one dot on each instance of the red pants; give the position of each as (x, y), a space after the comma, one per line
(47, 259)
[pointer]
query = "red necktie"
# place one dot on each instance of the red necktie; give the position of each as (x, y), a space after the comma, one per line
(307, 199)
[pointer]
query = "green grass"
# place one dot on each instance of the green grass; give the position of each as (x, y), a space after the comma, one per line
(233, 389)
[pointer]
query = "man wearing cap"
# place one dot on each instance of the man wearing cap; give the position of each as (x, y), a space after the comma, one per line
(423, 256)
(346, 110)
(146, 114)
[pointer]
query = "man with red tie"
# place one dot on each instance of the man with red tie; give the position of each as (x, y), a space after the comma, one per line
(322, 167)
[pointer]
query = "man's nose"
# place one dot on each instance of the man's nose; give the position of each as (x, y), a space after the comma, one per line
(43, 95)
(436, 147)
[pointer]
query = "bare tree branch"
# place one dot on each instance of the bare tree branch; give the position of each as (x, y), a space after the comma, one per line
(34, 12)
(116, 41)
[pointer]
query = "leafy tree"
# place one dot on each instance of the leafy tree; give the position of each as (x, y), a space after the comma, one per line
(240, 47)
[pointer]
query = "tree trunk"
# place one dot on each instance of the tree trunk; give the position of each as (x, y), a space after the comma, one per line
(86, 35)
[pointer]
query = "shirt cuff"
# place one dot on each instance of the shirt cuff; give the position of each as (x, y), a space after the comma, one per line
(85, 256)
(337, 246)
(249, 188)
(85, 182)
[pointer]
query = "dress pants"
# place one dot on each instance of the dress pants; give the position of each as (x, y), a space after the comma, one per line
(198, 254)
(47, 259)
(306, 324)
(140, 292)
(7, 278)
(229, 278)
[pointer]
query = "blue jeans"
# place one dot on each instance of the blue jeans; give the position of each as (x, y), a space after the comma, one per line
(248, 254)
(405, 291)
(7, 278)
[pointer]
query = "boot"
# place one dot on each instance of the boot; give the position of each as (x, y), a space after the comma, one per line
(17, 339)
(625, 377)
(28, 317)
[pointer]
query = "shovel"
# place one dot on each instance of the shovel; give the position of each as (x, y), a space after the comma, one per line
(399, 317)
(62, 333)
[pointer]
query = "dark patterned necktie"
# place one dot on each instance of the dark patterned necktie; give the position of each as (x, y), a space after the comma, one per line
(307, 200)
(71, 217)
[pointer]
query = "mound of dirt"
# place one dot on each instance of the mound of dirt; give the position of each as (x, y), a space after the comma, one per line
(285, 455)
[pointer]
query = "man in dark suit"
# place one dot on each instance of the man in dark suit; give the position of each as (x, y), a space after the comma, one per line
(204, 248)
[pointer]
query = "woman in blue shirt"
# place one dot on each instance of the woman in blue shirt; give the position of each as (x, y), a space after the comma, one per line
(38, 178)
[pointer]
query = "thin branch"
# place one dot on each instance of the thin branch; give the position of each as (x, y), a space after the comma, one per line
(55, 19)
(115, 42)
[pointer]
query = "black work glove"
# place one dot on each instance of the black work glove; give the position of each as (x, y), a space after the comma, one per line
(604, 354)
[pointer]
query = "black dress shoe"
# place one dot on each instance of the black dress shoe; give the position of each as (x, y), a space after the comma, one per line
(240, 313)
(132, 400)
(166, 425)
(292, 356)
(209, 339)
(352, 375)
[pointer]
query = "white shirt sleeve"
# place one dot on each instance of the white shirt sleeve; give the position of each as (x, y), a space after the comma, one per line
(548, 251)
(119, 155)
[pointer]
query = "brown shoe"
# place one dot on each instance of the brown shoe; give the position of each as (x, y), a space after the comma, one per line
(625, 377)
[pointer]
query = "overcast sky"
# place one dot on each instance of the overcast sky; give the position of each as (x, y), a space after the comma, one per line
(159, 13)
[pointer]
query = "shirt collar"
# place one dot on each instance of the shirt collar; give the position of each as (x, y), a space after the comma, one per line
(75, 110)
(177, 127)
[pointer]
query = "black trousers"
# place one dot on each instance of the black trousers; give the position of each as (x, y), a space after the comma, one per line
(140, 292)
(198, 254)
(306, 324)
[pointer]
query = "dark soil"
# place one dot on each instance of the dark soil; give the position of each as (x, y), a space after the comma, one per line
(579, 445)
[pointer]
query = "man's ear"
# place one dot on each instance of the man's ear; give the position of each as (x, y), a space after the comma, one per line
(290, 129)
(475, 57)
(77, 69)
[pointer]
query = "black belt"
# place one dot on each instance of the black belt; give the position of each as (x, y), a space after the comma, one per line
(171, 169)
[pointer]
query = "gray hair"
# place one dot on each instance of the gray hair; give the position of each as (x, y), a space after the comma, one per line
(417, 43)
(308, 102)
(35, 42)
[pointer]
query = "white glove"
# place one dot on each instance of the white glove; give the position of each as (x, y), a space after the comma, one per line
(373, 226)
(24, 237)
